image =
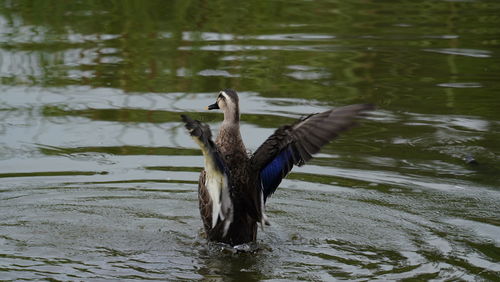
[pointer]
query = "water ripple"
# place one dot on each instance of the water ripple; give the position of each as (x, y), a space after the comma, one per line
(461, 85)
(462, 52)
(238, 48)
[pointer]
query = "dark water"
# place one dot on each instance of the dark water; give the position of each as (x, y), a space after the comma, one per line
(98, 177)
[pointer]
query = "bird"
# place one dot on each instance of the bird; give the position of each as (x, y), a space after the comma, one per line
(235, 185)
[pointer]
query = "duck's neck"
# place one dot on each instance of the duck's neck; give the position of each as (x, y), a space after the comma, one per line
(232, 121)
(229, 139)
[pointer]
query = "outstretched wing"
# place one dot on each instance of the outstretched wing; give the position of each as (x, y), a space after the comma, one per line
(216, 176)
(295, 144)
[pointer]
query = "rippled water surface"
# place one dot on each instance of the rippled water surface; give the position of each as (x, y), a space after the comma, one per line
(98, 178)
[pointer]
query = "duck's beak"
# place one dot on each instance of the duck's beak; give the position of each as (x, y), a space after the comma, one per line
(214, 106)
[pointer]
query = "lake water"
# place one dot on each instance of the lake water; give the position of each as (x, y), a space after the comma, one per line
(98, 177)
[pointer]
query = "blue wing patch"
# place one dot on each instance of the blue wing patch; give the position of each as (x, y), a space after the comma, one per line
(272, 174)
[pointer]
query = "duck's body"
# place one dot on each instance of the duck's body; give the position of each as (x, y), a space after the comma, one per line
(234, 186)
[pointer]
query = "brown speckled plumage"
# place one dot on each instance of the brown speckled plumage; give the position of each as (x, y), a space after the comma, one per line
(244, 175)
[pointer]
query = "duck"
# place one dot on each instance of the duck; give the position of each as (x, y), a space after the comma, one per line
(234, 185)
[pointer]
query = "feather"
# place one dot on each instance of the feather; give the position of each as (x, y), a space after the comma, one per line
(274, 172)
(295, 144)
(216, 180)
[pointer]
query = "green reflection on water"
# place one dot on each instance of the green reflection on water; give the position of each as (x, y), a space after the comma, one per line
(338, 51)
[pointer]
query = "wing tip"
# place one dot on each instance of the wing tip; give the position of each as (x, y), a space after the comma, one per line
(369, 107)
(359, 107)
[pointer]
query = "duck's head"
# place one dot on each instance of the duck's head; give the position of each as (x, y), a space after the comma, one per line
(228, 102)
